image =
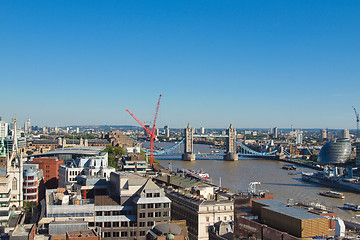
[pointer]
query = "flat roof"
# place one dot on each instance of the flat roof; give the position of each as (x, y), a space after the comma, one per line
(281, 207)
(91, 151)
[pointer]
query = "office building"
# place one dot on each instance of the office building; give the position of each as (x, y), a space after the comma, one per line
(345, 133)
(5, 193)
(4, 129)
(27, 126)
(88, 166)
(323, 134)
(201, 207)
(125, 207)
(33, 185)
(335, 151)
(50, 167)
(275, 132)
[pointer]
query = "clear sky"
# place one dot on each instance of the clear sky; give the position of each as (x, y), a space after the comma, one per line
(249, 63)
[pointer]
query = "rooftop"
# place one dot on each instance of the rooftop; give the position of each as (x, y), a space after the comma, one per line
(282, 208)
(90, 151)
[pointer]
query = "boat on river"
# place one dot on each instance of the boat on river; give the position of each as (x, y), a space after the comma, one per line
(289, 167)
(333, 194)
(351, 206)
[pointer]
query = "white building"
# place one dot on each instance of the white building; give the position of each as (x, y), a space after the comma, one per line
(4, 129)
(27, 126)
(5, 192)
(299, 137)
(345, 133)
(14, 168)
(89, 166)
(200, 210)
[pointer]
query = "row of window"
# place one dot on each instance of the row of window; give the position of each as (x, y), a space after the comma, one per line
(116, 224)
(152, 205)
(4, 195)
(30, 190)
(113, 213)
(218, 208)
(74, 173)
(29, 178)
(151, 214)
(29, 184)
(30, 197)
(219, 219)
(150, 195)
(4, 204)
(122, 234)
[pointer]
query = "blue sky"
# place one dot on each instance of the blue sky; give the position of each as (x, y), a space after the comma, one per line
(249, 63)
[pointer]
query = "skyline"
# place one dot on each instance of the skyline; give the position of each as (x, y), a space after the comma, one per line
(253, 64)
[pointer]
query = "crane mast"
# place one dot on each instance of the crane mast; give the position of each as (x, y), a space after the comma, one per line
(357, 122)
(150, 131)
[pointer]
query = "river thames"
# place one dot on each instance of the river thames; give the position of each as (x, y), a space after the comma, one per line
(237, 175)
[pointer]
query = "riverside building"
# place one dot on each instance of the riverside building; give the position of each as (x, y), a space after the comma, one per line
(201, 209)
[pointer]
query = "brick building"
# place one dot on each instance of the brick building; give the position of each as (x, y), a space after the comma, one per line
(50, 167)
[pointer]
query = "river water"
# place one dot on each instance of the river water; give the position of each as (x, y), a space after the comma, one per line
(237, 175)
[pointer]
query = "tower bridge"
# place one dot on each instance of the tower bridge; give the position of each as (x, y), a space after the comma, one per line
(232, 146)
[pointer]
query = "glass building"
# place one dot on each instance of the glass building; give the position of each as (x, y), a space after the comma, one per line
(335, 151)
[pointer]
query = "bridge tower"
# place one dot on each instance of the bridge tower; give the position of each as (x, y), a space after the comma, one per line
(231, 154)
(189, 147)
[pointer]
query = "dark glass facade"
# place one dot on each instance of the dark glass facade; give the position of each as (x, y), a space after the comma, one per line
(335, 151)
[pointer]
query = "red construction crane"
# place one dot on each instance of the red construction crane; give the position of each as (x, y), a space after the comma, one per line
(151, 131)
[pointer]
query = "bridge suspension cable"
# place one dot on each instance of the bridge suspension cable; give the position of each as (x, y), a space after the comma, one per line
(253, 152)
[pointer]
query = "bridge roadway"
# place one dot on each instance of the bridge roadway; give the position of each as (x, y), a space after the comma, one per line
(209, 136)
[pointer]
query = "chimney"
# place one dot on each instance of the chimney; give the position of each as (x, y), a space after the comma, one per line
(168, 180)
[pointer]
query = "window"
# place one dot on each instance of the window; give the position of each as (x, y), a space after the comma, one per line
(149, 195)
(166, 214)
(124, 234)
(207, 219)
(142, 233)
(224, 207)
(230, 207)
(133, 224)
(132, 233)
(107, 224)
(231, 218)
(142, 215)
(99, 224)
(150, 205)
(157, 214)
(225, 218)
(107, 234)
(166, 205)
(115, 224)
(156, 194)
(98, 213)
(124, 224)
(116, 213)
(115, 234)
(142, 224)
(107, 213)
(157, 205)
(14, 184)
(150, 214)
(142, 206)
(149, 224)
(219, 219)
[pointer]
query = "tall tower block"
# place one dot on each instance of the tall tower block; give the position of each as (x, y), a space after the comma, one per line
(189, 146)
(231, 154)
